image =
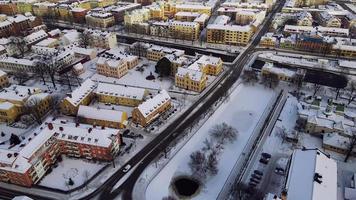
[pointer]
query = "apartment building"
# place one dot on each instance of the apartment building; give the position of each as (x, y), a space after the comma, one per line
(325, 31)
(268, 40)
(198, 8)
(185, 30)
(328, 20)
(304, 19)
(102, 117)
(100, 19)
(82, 95)
(229, 34)
(136, 16)
(8, 112)
(208, 65)
(155, 52)
(101, 39)
(16, 64)
(151, 109)
(116, 68)
(247, 16)
(120, 95)
(35, 37)
(190, 79)
(27, 166)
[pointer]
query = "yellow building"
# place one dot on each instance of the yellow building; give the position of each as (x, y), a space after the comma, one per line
(185, 30)
(100, 19)
(41, 101)
(304, 19)
(208, 65)
(85, 5)
(268, 40)
(8, 112)
(120, 95)
(17, 94)
(151, 109)
(176, 62)
(136, 16)
(328, 20)
(101, 39)
(229, 34)
(105, 3)
(25, 6)
(155, 52)
(4, 81)
(111, 67)
(190, 79)
(63, 12)
(193, 8)
(102, 117)
(83, 95)
(44, 9)
(156, 11)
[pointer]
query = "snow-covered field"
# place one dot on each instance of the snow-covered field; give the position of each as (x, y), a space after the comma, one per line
(243, 110)
(79, 170)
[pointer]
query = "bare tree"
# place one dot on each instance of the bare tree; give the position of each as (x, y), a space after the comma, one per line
(298, 80)
(20, 76)
(223, 132)
(352, 89)
(32, 108)
(270, 79)
(208, 145)
(40, 69)
(250, 76)
(197, 164)
(212, 163)
(350, 146)
(19, 44)
(52, 66)
(316, 88)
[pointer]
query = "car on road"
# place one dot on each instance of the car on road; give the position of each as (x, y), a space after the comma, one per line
(279, 171)
(126, 168)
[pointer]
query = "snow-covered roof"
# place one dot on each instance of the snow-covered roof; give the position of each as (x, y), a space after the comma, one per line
(237, 28)
(120, 91)
(81, 135)
(100, 114)
(347, 63)
(304, 169)
(202, 18)
(150, 105)
(321, 29)
(17, 93)
(337, 140)
(276, 70)
(81, 92)
(191, 73)
(17, 61)
(22, 198)
(47, 42)
(2, 73)
(78, 66)
(222, 19)
(193, 6)
(54, 32)
(187, 14)
(36, 36)
(17, 18)
(84, 51)
(166, 50)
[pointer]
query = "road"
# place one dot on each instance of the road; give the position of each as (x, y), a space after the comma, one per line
(176, 128)
(197, 109)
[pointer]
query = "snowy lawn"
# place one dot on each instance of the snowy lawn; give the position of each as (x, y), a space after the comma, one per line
(79, 170)
(136, 78)
(242, 111)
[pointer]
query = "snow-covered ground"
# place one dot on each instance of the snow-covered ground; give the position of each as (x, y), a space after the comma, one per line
(136, 78)
(243, 110)
(79, 170)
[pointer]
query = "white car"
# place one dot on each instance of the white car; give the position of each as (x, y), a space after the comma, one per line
(126, 168)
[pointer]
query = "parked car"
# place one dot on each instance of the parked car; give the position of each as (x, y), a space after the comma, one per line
(258, 177)
(258, 172)
(266, 155)
(264, 161)
(126, 168)
(279, 170)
